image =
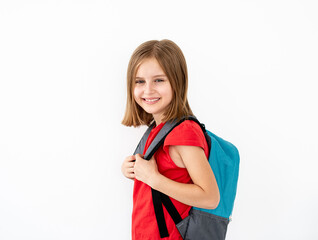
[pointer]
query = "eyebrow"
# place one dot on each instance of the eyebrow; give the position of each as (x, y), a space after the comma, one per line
(162, 75)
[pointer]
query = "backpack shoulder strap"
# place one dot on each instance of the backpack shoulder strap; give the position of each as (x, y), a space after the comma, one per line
(159, 139)
(141, 145)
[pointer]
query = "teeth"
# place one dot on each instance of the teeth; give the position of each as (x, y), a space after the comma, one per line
(151, 100)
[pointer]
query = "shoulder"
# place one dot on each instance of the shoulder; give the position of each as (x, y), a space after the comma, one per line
(186, 133)
(186, 126)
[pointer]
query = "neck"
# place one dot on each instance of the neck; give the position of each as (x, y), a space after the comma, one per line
(158, 119)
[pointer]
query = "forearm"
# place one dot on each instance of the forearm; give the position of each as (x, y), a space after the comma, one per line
(202, 193)
(189, 194)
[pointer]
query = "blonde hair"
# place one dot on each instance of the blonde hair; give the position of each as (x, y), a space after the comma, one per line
(172, 62)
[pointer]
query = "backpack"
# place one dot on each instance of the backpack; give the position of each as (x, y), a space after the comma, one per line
(201, 224)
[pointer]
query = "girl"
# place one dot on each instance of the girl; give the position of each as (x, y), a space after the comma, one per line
(157, 84)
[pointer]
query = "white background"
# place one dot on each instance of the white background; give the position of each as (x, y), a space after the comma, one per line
(253, 81)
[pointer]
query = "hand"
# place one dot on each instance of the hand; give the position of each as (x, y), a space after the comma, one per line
(146, 171)
(127, 168)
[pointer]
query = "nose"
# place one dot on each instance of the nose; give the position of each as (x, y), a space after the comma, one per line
(149, 88)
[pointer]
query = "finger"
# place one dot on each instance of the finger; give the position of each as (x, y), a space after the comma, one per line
(131, 170)
(131, 175)
(130, 158)
(131, 164)
(139, 156)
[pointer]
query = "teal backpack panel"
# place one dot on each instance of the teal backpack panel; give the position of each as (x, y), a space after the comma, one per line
(224, 160)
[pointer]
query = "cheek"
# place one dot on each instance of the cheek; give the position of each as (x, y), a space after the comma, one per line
(136, 94)
(169, 93)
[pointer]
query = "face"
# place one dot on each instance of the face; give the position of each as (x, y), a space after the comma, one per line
(152, 90)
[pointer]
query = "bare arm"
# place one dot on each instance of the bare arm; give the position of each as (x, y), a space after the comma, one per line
(202, 193)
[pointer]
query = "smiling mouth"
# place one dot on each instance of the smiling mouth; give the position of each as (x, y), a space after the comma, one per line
(151, 100)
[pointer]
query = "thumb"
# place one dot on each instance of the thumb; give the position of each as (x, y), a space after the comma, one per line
(138, 155)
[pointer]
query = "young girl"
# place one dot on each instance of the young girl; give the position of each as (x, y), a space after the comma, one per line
(157, 85)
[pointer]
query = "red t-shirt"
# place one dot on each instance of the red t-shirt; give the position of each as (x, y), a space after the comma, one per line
(144, 224)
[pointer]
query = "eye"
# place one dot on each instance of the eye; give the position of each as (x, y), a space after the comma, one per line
(159, 80)
(139, 81)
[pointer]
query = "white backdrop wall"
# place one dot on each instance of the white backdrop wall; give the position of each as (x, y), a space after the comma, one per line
(253, 80)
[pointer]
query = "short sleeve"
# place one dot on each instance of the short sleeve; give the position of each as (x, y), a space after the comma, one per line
(188, 133)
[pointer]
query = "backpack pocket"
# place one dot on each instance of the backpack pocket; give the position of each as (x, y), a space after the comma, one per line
(203, 226)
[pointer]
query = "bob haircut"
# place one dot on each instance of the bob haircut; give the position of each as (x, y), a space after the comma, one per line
(172, 62)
